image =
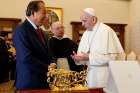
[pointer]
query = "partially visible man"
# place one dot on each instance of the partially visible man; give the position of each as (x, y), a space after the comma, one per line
(32, 53)
(99, 45)
(4, 58)
(61, 48)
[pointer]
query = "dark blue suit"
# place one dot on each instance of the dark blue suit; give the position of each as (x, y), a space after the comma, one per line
(32, 58)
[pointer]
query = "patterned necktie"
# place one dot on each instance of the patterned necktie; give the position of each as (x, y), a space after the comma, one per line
(41, 35)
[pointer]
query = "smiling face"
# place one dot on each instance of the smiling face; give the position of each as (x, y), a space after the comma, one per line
(40, 15)
(58, 29)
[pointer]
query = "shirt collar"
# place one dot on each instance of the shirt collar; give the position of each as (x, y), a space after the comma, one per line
(35, 27)
(60, 38)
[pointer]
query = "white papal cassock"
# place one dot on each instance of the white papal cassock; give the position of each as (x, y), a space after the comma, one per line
(103, 45)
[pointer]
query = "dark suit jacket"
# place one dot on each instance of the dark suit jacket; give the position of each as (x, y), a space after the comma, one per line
(32, 58)
(4, 57)
(4, 61)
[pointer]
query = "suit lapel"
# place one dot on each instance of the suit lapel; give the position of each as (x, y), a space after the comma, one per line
(34, 37)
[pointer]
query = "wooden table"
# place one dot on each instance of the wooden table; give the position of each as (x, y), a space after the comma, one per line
(99, 90)
(72, 91)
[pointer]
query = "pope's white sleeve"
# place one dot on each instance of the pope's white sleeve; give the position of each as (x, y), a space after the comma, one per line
(101, 59)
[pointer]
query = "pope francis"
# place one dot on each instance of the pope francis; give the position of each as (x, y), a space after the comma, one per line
(99, 45)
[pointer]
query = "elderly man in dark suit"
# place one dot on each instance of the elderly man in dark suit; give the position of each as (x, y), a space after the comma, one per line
(32, 53)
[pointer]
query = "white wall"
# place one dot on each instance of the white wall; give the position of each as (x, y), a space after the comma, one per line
(109, 11)
(134, 23)
(13, 8)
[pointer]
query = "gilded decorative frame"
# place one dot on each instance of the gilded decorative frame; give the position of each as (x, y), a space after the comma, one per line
(55, 13)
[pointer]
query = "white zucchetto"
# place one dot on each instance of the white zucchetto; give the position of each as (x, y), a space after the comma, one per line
(90, 11)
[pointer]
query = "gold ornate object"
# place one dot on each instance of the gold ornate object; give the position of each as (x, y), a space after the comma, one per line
(61, 80)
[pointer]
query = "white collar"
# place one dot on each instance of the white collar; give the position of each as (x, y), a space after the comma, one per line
(35, 27)
(60, 38)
